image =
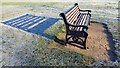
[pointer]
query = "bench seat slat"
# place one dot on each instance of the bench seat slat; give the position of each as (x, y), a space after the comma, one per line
(83, 21)
(81, 17)
(88, 20)
(77, 23)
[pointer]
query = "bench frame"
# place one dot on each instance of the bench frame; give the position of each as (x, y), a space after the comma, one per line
(75, 34)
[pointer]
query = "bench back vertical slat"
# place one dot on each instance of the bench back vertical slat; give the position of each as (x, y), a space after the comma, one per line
(72, 15)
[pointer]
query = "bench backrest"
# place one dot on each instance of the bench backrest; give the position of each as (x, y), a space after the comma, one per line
(71, 15)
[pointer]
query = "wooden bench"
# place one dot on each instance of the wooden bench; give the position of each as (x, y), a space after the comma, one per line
(76, 22)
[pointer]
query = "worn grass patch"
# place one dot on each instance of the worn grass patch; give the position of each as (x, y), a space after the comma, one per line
(94, 49)
(44, 55)
(58, 44)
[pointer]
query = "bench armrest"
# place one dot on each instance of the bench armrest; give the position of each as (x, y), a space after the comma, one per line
(88, 11)
(85, 10)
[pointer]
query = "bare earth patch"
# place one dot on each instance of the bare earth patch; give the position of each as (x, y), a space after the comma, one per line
(97, 43)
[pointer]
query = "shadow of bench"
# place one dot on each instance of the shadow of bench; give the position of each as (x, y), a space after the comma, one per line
(33, 24)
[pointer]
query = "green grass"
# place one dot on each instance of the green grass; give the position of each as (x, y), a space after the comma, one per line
(55, 29)
(65, 55)
(3, 42)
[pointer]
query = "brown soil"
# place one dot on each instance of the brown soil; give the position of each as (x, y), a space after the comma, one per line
(97, 43)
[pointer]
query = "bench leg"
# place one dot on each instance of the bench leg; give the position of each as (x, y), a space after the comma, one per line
(84, 43)
(67, 38)
(66, 41)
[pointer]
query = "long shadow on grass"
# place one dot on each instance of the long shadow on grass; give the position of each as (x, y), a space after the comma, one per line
(111, 43)
(33, 24)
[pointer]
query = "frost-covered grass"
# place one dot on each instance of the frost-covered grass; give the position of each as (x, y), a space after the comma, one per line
(38, 3)
(29, 49)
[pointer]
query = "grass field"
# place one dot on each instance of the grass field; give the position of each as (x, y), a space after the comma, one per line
(37, 3)
(25, 48)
